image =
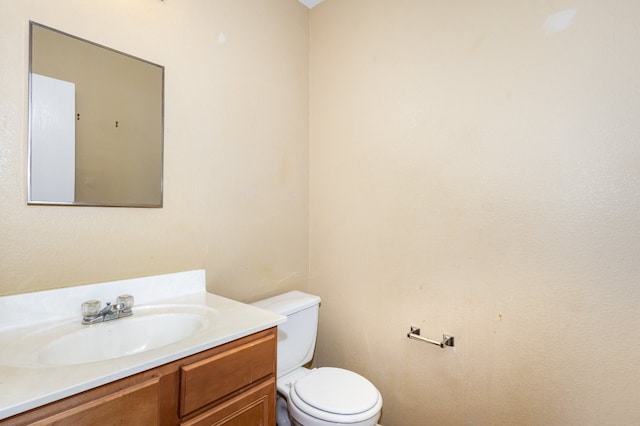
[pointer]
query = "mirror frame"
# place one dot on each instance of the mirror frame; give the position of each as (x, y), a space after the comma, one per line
(31, 201)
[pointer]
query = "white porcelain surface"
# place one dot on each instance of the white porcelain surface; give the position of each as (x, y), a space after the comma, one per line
(37, 327)
(336, 392)
(331, 393)
(300, 418)
(320, 397)
(78, 344)
(297, 337)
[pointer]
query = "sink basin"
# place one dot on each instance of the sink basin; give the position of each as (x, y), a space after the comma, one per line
(118, 338)
(69, 343)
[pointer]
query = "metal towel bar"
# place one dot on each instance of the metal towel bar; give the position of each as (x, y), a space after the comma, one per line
(415, 334)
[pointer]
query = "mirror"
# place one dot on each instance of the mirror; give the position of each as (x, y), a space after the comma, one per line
(95, 124)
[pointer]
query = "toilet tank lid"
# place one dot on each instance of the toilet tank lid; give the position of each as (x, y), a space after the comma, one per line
(288, 303)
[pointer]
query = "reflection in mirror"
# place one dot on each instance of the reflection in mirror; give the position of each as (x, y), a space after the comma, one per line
(96, 124)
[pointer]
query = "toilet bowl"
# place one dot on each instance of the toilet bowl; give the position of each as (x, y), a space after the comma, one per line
(325, 396)
(330, 396)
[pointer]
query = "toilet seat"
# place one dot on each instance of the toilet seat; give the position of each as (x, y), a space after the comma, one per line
(336, 395)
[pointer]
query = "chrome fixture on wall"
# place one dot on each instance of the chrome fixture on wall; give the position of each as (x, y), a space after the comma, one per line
(447, 340)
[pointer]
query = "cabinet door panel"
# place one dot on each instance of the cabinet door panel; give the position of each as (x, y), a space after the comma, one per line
(206, 381)
(256, 407)
(136, 405)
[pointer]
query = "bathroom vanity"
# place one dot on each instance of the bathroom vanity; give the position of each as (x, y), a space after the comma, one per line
(232, 384)
(220, 371)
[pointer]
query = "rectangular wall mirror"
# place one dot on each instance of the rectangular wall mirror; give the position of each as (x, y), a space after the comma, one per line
(95, 124)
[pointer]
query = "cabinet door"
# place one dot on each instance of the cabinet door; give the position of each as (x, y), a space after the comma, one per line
(255, 407)
(214, 378)
(135, 405)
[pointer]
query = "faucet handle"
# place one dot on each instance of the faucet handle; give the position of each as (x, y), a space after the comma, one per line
(125, 301)
(90, 308)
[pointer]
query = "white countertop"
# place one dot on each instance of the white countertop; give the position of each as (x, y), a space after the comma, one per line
(27, 383)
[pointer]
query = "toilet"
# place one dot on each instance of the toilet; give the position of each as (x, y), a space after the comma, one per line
(325, 396)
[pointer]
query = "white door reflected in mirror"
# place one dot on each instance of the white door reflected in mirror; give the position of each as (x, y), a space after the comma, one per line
(53, 139)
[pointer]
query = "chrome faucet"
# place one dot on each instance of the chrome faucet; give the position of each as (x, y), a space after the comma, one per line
(92, 314)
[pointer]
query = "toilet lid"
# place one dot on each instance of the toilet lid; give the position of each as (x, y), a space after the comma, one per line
(337, 391)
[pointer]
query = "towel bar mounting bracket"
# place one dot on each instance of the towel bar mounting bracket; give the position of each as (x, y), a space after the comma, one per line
(447, 340)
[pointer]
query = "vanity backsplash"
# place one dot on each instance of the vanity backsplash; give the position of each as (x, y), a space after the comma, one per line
(26, 309)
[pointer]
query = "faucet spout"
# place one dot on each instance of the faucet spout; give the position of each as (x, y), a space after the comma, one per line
(110, 312)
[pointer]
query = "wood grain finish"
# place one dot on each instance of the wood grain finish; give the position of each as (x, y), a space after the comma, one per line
(254, 408)
(206, 381)
(136, 405)
(231, 385)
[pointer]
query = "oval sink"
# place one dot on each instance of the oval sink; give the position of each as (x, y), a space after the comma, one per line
(122, 337)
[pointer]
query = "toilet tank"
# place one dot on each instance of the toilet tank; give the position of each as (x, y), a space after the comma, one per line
(296, 336)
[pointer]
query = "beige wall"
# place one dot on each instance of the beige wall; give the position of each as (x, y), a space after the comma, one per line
(236, 149)
(476, 172)
(471, 174)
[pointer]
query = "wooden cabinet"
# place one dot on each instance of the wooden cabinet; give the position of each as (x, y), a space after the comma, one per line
(113, 409)
(231, 385)
(253, 407)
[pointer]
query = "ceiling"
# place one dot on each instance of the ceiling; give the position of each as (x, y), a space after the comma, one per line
(310, 3)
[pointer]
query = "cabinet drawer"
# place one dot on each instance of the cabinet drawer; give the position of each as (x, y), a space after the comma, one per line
(210, 379)
(253, 407)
